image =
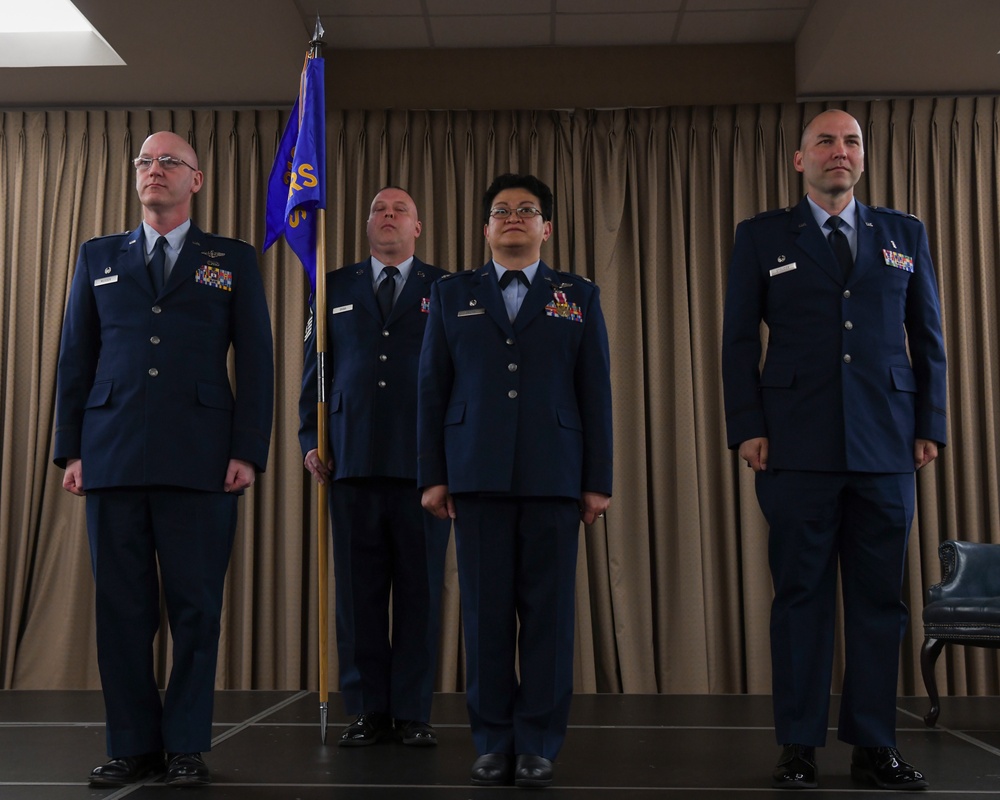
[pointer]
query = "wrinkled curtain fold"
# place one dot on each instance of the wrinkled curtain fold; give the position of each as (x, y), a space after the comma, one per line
(673, 590)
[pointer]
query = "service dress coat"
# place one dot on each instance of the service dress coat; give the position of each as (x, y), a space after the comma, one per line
(383, 540)
(522, 407)
(371, 371)
(854, 372)
(143, 393)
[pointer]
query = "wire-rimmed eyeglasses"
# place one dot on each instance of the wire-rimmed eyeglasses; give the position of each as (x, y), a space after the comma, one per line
(142, 163)
(524, 212)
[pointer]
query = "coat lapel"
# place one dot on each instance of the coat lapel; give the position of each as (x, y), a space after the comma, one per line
(188, 260)
(361, 290)
(132, 260)
(810, 239)
(538, 296)
(416, 288)
(486, 292)
(869, 245)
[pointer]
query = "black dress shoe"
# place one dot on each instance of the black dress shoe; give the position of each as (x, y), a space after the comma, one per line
(884, 767)
(492, 769)
(416, 733)
(796, 769)
(532, 771)
(129, 769)
(186, 769)
(366, 729)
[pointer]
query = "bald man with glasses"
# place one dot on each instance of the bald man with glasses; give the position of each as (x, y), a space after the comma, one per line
(149, 429)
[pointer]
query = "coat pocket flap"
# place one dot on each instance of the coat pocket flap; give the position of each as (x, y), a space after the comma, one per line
(215, 396)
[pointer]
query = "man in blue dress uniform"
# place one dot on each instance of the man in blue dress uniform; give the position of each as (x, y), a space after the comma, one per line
(834, 425)
(148, 427)
(514, 444)
(383, 540)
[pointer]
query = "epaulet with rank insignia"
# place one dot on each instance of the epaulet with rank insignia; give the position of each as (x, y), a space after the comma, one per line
(767, 214)
(451, 275)
(229, 238)
(894, 211)
(575, 276)
(108, 236)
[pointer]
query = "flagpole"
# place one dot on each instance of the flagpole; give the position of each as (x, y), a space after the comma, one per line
(322, 509)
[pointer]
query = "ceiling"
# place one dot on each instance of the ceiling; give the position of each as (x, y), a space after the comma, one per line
(249, 52)
(362, 24)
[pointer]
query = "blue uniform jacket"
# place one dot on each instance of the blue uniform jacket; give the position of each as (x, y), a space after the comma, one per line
(837, 390)
(143, 392)
(371, 372)
(522, 408)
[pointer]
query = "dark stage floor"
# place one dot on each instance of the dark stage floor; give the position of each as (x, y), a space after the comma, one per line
(267, 745)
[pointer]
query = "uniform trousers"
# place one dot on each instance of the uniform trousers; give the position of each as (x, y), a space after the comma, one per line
(189, 534)
(517, 576)
(385, 545)
(818, 520)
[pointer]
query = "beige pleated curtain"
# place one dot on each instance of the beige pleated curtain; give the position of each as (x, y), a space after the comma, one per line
(673, 591)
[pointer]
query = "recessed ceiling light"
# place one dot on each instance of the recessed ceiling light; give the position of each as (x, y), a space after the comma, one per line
(41, 16)
(50, 33)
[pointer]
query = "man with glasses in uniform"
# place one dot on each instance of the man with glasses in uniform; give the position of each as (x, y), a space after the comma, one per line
(149, 429)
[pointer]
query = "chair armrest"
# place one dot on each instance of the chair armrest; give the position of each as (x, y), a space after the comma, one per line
(968, 569)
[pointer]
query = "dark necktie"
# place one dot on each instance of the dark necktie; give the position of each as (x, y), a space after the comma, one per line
(511, 275)
(385, 291)
(158, 263)
(841, 247)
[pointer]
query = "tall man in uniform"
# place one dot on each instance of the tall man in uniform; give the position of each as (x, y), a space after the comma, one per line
(834, 425)
(148, 427)
(383, 540)
(514, 444)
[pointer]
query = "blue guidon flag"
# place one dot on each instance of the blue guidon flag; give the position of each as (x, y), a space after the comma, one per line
(296, 187)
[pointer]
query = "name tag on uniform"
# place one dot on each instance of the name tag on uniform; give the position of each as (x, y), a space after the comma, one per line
(783, 268)
(109, 279)
(342, 309)
(472, 312)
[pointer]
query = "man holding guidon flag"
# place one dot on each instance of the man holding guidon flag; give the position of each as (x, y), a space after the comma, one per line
(383, 540)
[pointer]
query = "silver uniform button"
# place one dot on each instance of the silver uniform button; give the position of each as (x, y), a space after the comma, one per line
(849, 325)
(512, 394)
(381, 384)
(847, 294)
(383, 357)
(510, 341)
(153, 372)
(512, 367)
(385, 333)
(157, 309)
(154, 339)
(847, 358)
